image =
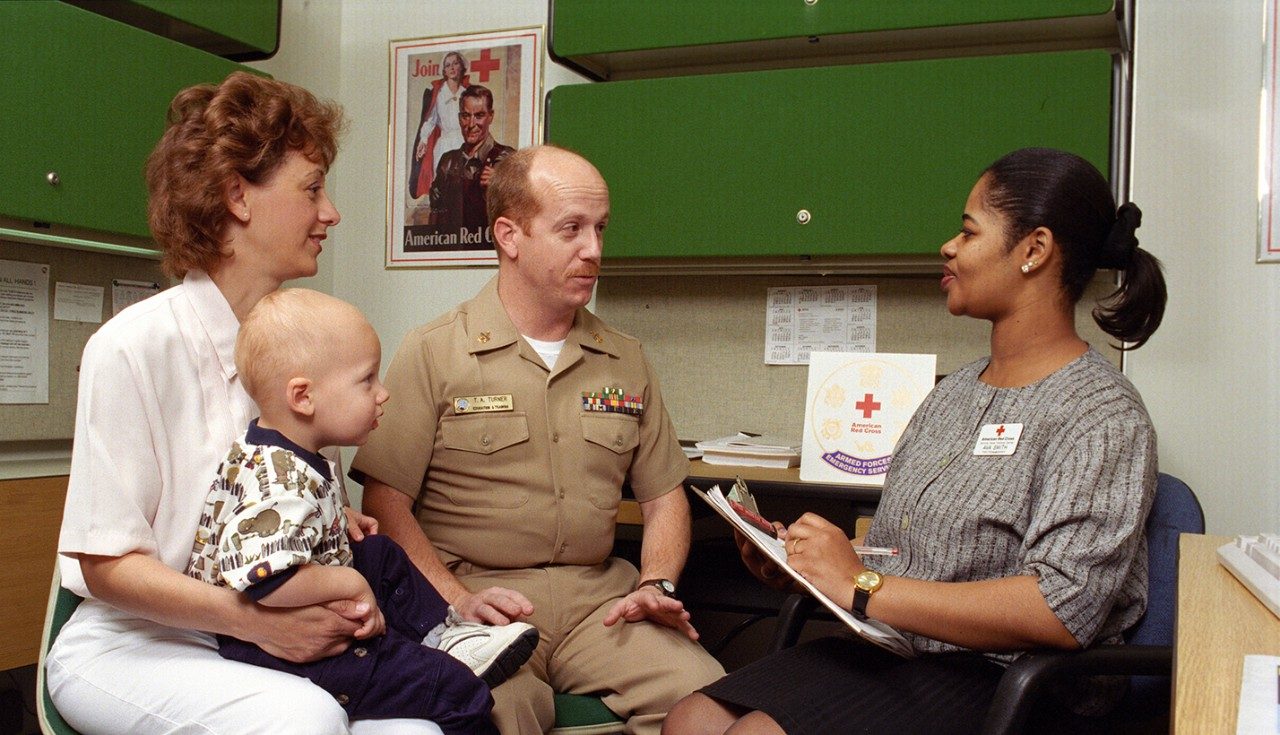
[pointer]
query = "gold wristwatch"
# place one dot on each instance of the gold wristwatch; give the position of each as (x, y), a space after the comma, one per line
(864, 586)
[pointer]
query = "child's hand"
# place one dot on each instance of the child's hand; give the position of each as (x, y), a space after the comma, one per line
(360, 525)
(373, 623)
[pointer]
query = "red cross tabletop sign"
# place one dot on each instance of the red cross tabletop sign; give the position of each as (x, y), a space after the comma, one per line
(856, 407)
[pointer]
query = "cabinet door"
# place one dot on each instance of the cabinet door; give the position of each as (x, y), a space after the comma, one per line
(602, 38)
(85, 97)
(881, 156)
(244, 30)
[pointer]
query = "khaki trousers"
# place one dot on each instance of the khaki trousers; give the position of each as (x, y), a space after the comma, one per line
(640, 669)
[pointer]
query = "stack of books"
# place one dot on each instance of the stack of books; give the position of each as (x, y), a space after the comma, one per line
(747, 450)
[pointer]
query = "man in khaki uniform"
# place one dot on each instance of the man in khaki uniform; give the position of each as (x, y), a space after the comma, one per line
(514, 420)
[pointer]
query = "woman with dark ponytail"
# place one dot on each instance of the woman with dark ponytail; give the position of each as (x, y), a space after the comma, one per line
(1018, 494)
(1065, 194)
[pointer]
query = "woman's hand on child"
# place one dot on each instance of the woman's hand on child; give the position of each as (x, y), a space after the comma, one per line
(302, 634)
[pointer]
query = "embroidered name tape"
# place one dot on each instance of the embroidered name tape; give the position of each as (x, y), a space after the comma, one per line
(997, 440)
(479, 404)
(612, 400)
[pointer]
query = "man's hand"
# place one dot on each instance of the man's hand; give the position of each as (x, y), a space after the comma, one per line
(420, 151)
(360, 525)
(493, 605)
(648, 603)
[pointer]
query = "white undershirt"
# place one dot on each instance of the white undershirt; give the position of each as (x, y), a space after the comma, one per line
(548, 351)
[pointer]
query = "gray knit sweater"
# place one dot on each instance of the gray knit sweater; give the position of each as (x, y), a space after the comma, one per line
(1068, 506)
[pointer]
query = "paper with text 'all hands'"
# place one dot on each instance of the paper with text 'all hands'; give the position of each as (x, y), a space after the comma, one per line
(857, 406)
(873, 631)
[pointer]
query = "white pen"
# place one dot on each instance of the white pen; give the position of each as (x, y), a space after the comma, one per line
(875, 551)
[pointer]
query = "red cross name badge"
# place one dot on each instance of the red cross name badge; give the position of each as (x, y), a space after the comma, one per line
(997, 440)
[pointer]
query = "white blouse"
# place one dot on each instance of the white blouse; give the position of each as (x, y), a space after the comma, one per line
(159, 404)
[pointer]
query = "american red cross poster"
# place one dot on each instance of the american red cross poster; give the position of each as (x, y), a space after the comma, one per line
(458, 106)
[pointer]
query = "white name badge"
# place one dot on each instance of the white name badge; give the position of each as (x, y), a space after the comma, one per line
(997, 440)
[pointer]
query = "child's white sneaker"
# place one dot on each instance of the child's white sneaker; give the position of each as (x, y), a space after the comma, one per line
(493, 652)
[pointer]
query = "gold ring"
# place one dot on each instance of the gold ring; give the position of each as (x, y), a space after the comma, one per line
(795, 548)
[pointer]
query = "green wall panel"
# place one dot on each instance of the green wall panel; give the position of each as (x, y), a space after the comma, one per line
(881, 155)
(85, 96)
(601, 26)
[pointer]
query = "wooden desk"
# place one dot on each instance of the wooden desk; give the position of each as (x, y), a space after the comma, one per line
(1219, 622)
(29, 521)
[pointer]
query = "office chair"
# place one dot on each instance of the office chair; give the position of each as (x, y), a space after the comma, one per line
(715, 580)
(576, 714)
(1146, 657)
(62, 602)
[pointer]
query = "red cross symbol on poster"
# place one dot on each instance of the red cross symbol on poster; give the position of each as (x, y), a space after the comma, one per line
(484, 65)
(867, 406)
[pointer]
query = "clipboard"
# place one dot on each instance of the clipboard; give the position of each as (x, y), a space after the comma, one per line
(872, 631)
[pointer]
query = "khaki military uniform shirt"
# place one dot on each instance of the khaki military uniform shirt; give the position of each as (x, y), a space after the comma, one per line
(513, 465)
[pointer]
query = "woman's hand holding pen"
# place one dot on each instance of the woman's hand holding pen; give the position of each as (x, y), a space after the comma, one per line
(820, 551)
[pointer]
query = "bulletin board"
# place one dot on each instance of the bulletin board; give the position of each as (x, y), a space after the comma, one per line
(56, 419)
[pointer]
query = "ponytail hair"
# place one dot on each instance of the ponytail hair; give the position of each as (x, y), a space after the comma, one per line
(1133, 311)
(1044, 187)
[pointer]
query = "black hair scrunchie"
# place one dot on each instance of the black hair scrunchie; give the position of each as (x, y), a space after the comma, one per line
(1117, 251)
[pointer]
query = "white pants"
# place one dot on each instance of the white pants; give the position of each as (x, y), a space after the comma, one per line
(111, 673)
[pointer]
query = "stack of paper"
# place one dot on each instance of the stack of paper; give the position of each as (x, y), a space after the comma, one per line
(745, 450)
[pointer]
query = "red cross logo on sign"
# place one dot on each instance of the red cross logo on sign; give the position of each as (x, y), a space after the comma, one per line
(1000, 431)
(867, 406)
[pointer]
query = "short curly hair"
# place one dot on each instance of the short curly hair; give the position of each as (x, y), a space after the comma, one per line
(246, 125)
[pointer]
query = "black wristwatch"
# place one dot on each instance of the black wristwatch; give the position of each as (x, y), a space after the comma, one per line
(865, 585)
(665, 586)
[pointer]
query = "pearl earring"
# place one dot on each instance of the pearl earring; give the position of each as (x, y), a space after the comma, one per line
(1026, 267)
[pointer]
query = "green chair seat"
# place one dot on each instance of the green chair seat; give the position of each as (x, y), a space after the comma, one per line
(583, 714)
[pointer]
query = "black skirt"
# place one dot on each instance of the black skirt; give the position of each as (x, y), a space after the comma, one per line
(844, 685)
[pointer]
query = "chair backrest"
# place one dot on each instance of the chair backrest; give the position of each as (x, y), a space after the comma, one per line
(1174, 511)
(62, 602)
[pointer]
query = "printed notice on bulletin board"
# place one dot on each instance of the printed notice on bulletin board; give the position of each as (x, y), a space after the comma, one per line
(24, 332)
(804, 319)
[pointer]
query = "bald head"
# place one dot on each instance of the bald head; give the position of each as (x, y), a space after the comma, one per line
(289, 333)
(522, 180)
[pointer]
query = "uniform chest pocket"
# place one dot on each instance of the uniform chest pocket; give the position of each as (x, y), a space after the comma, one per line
(618, 433)
(484, 433)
